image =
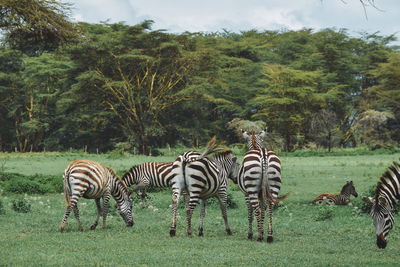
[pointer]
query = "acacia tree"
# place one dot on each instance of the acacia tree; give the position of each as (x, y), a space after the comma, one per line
(290, 98)
(144, 75)
(34, 26)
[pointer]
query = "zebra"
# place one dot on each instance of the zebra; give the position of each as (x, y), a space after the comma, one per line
(205, 178)
(177, 182)
(260, 180)
(343, 198)
(157, 174)
(92, 180)
(387, 194)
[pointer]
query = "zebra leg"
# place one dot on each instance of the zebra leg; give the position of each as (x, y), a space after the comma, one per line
(222, 197)
(175, 201)
(269, 230)
(98, 205)
(78, 221)
(106, 199)
(189, 213)
(250, 217)
(258, 207)
(64, 220)
(202, 215)
(71, 206)
(193, 201)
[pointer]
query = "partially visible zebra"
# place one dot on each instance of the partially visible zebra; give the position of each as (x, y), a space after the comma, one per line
(156, 174)
(260, 180)
(178, 183)
(208, 177)
(92, 180)
(343, 198)
(387, 194)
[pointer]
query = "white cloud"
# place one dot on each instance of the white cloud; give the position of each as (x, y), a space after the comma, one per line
(241, 15)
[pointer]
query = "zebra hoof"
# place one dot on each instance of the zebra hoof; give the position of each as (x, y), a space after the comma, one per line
(250, 236)
(260, 239)
(228, 231)
(172, 232)
(270, 239)
(201, 233)
(93, 227)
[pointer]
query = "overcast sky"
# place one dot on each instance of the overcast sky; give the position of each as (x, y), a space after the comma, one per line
(240, 15)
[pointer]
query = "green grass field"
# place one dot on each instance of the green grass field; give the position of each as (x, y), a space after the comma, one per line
(302, 238)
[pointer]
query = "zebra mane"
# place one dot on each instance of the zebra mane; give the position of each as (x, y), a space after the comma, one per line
(125, 188)
(223, 153)
(387, 177)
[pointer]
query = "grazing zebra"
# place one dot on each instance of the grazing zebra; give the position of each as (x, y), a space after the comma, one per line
(156, 174)
(178, 183)
(260, 180)
(387, 194)
(205, 178)
(89, 179)
(343, 198)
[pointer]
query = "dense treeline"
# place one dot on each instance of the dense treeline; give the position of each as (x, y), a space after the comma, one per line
(131, 87)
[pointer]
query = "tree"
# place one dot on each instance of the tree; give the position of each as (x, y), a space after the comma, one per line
(289, 99)
(36, 26)
(385, 93)
(324, 128)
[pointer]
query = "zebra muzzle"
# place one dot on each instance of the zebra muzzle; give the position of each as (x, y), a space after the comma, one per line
(381, 241)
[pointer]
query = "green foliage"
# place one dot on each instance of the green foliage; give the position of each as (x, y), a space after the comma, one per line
(34, 184)
(231, 202)
(21, 205)
(35, 32)
(151, 89)
(2, 208)
(325, 212)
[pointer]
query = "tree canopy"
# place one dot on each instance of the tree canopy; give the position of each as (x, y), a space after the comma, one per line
(143, 88)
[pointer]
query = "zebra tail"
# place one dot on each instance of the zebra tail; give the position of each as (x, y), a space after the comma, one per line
(67, 189)
(212, 147)
(266, 193)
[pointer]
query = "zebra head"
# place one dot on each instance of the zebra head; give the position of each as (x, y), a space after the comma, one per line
(254, 140)
(234, 171)
(381, 213)
(349, 189)
(124, 206)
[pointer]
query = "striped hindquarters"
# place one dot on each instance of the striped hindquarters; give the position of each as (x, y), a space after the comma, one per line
(202, 179)
(85, 178)
(157, 174)
(250, 174)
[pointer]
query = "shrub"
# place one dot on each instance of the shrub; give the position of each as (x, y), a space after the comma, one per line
(325, 212)
(21, 205)
(2, 209)
(34, 184)
(231, 202)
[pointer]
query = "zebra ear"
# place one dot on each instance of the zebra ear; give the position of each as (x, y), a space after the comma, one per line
(245, 134)
(382, 201)
(263, 133)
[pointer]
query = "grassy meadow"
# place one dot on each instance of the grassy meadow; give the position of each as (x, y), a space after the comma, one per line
(304, 234)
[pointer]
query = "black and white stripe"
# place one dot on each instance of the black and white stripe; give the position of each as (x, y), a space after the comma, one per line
(89, 179)
(387, 194)
(154, 174)
(178, 184)
(260, 180)
(205, 178)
